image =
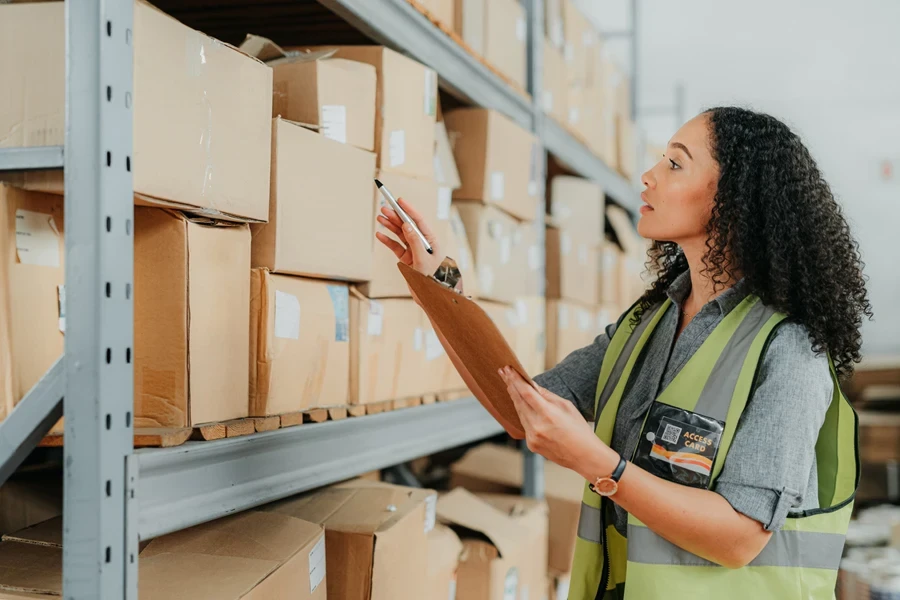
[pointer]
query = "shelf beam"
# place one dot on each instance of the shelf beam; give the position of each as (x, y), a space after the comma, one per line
(200, 481)
(397, 24)
(31, 159)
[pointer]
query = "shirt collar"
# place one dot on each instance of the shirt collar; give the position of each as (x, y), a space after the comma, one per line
(726, 301)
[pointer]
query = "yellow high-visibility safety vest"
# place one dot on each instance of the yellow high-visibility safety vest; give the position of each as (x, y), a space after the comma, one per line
(799, 561)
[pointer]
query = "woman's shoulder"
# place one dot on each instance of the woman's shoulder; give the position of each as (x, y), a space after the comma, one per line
(790, 357)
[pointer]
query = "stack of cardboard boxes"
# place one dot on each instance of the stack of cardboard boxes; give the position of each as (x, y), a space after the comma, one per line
(584, 89)
(497, 31)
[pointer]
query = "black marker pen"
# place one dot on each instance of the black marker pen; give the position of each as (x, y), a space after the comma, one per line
(403, 216)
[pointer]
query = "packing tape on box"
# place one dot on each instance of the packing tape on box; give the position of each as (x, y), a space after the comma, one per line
(340, 300)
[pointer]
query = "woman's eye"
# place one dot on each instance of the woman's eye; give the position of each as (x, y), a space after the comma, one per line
(674, 164)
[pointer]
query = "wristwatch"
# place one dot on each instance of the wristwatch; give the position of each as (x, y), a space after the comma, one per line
(608, 486)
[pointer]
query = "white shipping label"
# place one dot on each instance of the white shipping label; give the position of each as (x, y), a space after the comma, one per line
(534, 257)
(37, 239)
(334, 122)
(376, 318)
(574, 115)
(438, 169)
(557, 34)
(565, 243)
(532, 188)
(582, 254)
(418, 339)
(451, 590)
(603, 319)
(397, 148)
(287, 316)
(521, 29)
(464, 260)
(547, 100)
(317, 565)
(511, 584)
(512, 318)
(517, 236)
(497, 185)
(522, 311)
(505, 250)
(485, 278)
(433, 348)
(430, 93)
(569, 52)
(445, 199)
(609, 260)
(495, 229)
(61, 295)
(584, 320)
(430, 512)
(562, 316)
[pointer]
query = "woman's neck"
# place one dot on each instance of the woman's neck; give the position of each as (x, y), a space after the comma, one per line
(703, 289)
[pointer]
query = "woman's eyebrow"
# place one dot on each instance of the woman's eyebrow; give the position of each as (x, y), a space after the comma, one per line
(681, 146)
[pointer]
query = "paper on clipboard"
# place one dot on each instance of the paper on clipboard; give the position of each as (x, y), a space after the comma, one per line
(475, 339)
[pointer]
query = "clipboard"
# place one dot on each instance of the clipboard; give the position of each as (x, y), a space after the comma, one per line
(475, 339)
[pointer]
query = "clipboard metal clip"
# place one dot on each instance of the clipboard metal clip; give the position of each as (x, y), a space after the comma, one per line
(448, 274)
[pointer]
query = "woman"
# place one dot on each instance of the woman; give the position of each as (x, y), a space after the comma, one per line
(723, 461)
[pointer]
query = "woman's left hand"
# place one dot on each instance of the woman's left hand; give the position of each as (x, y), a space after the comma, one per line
(553, 426)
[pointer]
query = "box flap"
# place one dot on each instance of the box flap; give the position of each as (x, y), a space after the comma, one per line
(445, 171)
(272, 54)
(47, 533)
(444, 549)
(504, 465)
(176, 576)
(462, 508)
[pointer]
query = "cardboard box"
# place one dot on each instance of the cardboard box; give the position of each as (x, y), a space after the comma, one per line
(372, 551)
(458, 248)
(317, 180)
(445, 172)
(554, 96)
(443, 11)
(387, 349)
(32, 283)
(251, 555)
(608, 268)
(506, 33)
(505, 317)
(191, 319)
(444, 549)
(528, 257)
(531, 517)
(553, 23)
(495, 547)
(580, 38)
(29, 497)
(491, 233)
(570, 326)
(594, 127)
(299, 344)
(626, 146)
(202, 110)
(469, 23)
(405, 109)
(577, 206)
(571, 267)
(495, 158)
(490, 468)
(385, 280)
(531, 341)
(334, 95)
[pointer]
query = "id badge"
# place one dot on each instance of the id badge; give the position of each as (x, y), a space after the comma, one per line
(679, 445)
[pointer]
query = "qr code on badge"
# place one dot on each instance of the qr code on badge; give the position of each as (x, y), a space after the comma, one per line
(671, 434)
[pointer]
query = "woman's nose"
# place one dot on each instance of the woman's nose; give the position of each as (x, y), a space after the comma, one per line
(649, 180)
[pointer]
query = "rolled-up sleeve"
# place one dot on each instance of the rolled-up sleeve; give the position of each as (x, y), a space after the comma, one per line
(769, 471)
(575, 378)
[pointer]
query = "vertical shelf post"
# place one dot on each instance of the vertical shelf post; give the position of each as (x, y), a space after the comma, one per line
(99, 551)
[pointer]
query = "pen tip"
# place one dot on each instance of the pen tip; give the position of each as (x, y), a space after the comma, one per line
(430, 250)
(378, 183)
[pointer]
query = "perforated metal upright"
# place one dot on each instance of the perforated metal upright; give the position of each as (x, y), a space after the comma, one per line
(99, 545)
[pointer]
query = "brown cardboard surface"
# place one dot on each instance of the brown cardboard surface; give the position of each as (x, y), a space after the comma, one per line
(577, 206)
(571, 267)
(442, 10)
(30, 336)
(405, 107)
(386, 352)
(491, 233)
(531, 516)
(528, 256)
(494, 158)
(530, 337)
(570, 326)
(596, 131)
(201, 110)
(375, 537)
(497, 469)
(299, 344)
(554, 97)
(506, 32)
(335, 95)
(626, 145)
(505, 317)
(249, 556)
(191, 366)
(608, 267)
(487, 568)
(458, 248)
(317, 180)
(469, 23)
(445, 172)
(577, 111)
(444, 549)
(28, 498)
(385, 280)
(580, 36)
(553, 23)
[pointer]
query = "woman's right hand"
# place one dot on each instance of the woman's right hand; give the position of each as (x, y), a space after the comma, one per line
(410, 250)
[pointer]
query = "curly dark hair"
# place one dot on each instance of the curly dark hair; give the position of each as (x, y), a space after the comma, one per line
(776, 222)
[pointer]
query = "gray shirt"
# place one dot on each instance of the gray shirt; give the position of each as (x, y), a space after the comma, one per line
(770, 469)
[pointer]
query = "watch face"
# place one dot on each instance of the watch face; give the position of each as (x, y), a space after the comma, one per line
(606, 486)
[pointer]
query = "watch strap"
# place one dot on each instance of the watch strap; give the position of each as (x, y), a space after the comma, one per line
(620, 469)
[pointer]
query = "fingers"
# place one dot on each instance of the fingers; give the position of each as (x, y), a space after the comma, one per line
(392, 216)
(529, 394)
(390, 226)
(416, 247)
(424, 227)
(393, 245)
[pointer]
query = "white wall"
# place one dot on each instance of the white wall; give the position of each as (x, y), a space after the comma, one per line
(830, 69)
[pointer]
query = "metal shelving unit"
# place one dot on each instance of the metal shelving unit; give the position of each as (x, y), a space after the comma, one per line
(115, 495)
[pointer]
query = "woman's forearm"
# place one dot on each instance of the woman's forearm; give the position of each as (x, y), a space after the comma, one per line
(699, 521)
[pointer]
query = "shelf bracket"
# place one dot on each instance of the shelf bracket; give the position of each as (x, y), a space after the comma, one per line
(31, 159)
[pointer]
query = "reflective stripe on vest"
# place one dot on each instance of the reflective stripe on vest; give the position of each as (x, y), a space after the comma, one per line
(801, 560)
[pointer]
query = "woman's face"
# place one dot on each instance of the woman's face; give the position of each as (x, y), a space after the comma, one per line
(680, 188)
